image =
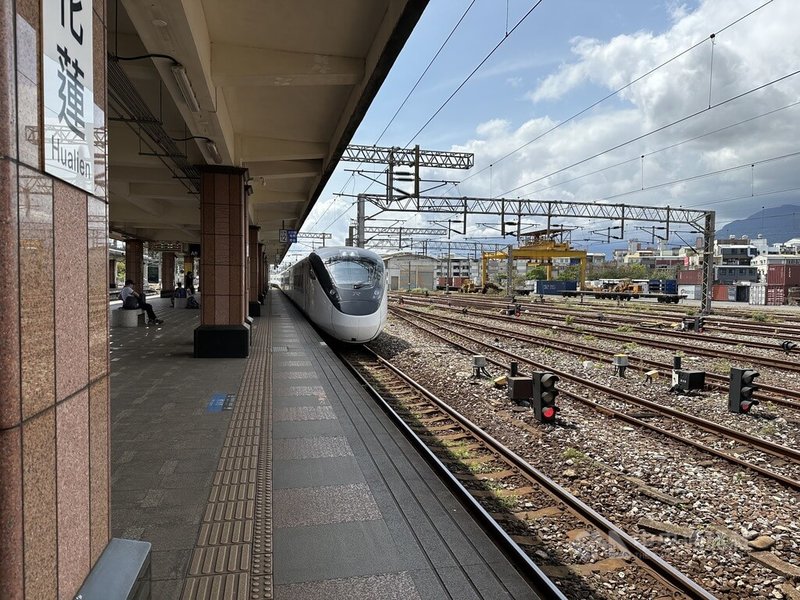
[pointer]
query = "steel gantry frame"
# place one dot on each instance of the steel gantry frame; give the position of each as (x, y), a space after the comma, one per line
(409, 157)
(701, 221)
(397, 232)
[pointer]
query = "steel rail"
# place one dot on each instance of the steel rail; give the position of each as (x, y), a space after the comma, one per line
(654, 563)
(784, 452)
(518, 557)
(764, 387)
(768, 361)
(788, 481)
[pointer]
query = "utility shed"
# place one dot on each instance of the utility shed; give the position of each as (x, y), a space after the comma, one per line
(405, 271)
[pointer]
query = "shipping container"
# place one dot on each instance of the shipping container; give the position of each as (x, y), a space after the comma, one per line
(556, 287)
(719, 292)
(783, 275)
(758, 294)
(441, 282)
(690, 277)
(692, 292)
(776, 295)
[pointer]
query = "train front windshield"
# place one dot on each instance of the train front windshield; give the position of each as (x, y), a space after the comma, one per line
(358, 282)
(354, 272)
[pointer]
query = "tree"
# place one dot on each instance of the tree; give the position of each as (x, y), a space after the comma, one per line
(539, 273)
(571, 273)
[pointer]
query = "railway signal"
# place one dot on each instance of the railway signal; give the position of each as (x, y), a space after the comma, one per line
(544, 396)
(740, 396)
(788, 346)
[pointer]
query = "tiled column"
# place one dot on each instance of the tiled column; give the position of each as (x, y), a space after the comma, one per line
(167, 271)
(223, 332)
(54, 368)
(253, 259)
(134, 263)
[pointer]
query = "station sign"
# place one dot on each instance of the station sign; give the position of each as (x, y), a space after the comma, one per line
(287, 236)
(68, 91)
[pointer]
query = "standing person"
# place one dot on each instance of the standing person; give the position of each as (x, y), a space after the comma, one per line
(131, 300)
(189, 285)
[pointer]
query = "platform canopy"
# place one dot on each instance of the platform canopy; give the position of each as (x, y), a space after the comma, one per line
(276, 86)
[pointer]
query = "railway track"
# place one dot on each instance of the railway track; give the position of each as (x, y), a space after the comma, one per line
(502, 482)
(767, 392)
(738, 324)
(714, 433)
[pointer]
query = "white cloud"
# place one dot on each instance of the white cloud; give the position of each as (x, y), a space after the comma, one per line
(758, 49)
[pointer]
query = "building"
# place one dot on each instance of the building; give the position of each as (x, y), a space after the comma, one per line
(762, 263)
(406, 271)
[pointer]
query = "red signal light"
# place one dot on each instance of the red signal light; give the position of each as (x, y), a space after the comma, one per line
(746, 406)
(549, 412)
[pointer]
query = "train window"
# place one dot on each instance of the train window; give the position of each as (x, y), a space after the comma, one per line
(354, 272)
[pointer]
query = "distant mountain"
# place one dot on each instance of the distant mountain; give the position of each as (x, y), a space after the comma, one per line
(777, 224)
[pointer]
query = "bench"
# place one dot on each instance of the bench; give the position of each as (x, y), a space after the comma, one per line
(123, 317)
(123, 572)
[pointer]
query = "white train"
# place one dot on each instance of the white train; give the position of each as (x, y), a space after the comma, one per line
(342, 290)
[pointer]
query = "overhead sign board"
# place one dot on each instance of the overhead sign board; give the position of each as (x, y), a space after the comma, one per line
(165, 246)
(287, 236)
(68, 81)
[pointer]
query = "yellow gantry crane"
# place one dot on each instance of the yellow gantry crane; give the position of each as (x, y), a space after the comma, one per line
(540, 252)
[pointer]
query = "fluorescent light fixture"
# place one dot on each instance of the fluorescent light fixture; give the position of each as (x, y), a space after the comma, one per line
(212, 150)
(179, 71)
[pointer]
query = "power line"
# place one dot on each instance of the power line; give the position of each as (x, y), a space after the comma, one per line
(615, 92)
(463, 83)
(426, 70)
(669, 147)
(408, 95)
(656, 130)
(746, 165)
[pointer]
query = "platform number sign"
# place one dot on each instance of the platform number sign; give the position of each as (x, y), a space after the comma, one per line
(287, 236)
(68, 81)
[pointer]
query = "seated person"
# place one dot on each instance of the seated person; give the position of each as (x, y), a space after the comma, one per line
(180, 292)
(131, 300)
(191, 302)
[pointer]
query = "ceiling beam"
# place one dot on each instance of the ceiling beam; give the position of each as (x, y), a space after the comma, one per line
(233, 65)
(258, 149)
(285, 169)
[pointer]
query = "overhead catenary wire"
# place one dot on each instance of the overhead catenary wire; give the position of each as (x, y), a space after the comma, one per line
(427, 68)
(475, 70)
(653, 131)
(403, 103)
(617, 91)
(665, 148)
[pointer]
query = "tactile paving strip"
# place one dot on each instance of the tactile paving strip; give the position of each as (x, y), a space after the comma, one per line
(232, 558)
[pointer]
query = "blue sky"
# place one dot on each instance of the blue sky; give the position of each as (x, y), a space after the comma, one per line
(562, 58)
